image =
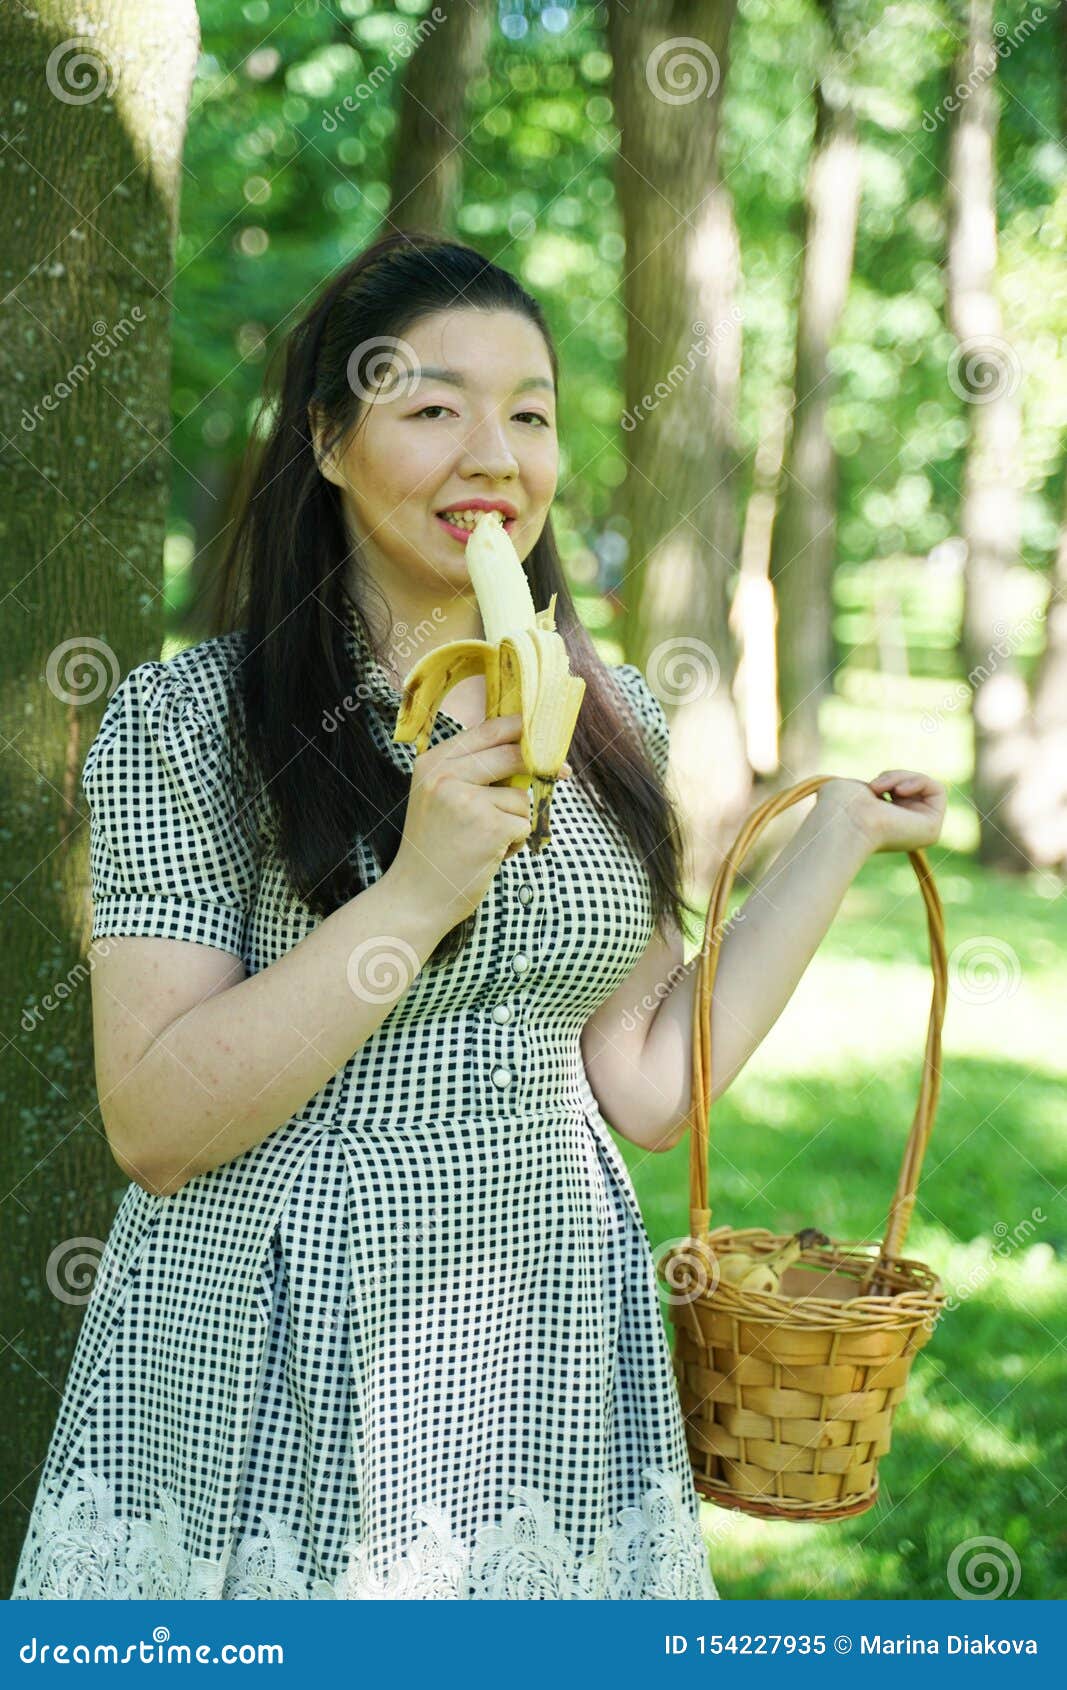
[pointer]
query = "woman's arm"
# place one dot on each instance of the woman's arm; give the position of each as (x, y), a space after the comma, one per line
(638, 1046)
(219, 1077)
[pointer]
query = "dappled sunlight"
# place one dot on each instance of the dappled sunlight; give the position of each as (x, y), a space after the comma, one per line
(1031, 1280)
(768, 1558)
(950, 1425)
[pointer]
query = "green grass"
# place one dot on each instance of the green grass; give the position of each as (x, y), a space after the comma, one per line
(811, 1133)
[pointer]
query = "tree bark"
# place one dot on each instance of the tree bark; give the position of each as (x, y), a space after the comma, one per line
(805, 527)
(93, 101)
(986, 373)
(427, 167)
(1034, 814)
(677, 507)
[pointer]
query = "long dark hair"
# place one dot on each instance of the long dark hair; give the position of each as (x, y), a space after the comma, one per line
(315, 789)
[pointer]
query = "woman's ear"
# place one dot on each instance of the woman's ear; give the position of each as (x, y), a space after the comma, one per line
(316, 428)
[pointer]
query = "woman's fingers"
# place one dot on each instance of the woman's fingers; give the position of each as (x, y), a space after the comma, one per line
(904, 781)
(482, 754)
(488, 752)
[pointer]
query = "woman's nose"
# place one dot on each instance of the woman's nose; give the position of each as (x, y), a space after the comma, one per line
(487, 449)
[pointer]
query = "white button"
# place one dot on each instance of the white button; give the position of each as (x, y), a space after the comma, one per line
(501, 1012)
(525, 892)
(501, 1077)
(520, 963)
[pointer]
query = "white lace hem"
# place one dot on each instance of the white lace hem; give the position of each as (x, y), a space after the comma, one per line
(78, 1548)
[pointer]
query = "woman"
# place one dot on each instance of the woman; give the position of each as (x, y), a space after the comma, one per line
(378, 1314)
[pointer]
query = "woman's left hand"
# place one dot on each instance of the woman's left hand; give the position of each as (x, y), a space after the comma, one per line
(912, 820)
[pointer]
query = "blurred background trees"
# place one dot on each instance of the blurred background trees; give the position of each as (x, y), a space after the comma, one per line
(845, 483)
(804, 263)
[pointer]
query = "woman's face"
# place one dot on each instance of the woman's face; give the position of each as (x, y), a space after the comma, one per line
(429, 444)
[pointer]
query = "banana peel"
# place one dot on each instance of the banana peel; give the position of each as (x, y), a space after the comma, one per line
(764, 1273)
(526, 667)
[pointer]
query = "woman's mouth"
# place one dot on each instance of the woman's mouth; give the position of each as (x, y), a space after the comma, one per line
(464, 533)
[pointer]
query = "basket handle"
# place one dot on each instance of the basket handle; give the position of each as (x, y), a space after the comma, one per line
(900, 1210)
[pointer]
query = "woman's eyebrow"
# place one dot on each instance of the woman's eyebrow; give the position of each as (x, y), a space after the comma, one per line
(454, 378)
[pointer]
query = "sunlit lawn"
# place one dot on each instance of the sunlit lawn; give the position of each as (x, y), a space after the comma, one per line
(811, 1133)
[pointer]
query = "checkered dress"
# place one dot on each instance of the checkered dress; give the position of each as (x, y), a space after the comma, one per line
(410, 1344)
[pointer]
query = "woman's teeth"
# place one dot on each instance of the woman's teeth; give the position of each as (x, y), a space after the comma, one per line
(460, 519)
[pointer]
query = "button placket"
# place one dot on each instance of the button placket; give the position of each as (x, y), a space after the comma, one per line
(501, 1075)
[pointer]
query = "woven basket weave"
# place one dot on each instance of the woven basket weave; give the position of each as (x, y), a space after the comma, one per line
(788, 1397)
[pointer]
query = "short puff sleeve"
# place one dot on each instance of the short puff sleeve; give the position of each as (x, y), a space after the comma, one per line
(651, 716)
(167, 858)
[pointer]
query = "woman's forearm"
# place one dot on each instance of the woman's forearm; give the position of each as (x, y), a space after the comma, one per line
(231, 1070)
(761, 960)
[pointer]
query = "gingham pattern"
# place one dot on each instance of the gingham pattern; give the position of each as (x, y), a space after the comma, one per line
(411, 1343)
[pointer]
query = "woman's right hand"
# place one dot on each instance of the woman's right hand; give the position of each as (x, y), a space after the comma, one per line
(459, 826)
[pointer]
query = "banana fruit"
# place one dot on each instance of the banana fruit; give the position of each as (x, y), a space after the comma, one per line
(525, 664)
(764, 1273)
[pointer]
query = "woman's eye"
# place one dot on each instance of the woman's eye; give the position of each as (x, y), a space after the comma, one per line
(535, 414)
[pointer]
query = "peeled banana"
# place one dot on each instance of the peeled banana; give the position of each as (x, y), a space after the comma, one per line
(764, 1273)
(525, 664)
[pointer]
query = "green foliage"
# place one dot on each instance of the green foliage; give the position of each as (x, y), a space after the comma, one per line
(284, 182)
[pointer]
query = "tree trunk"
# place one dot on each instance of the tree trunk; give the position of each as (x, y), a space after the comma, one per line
(986, 373)
(752, 614)
(93, 101)
(805, 527)
(678, 505)
(1034, 814)
(428, 156)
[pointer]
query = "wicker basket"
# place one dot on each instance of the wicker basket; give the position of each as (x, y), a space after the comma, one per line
(788, 1397)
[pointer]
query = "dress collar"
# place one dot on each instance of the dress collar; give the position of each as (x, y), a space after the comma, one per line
(380, 689)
